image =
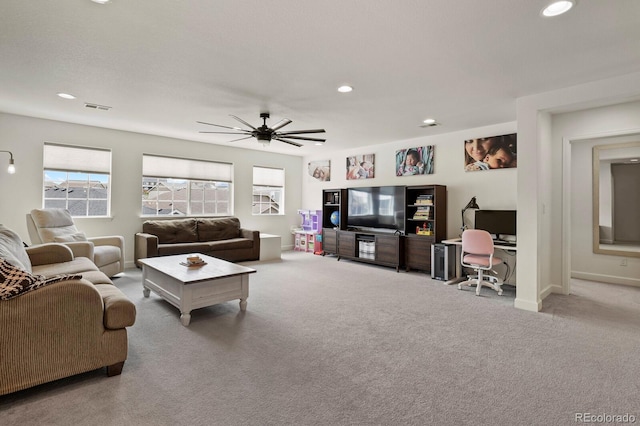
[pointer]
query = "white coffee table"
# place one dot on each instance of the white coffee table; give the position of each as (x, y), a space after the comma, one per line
(193, 287)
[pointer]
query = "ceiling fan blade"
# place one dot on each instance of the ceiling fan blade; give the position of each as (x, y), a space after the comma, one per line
(244, 132)
(295, 132)
(219, 125)
(303, 138)
(243, 122)
(241, 139)
(289, 142)
(280, 124)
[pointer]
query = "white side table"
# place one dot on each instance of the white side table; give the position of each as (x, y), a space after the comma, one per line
(270, 246)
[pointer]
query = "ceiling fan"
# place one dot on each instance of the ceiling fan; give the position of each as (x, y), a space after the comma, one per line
(265, 134)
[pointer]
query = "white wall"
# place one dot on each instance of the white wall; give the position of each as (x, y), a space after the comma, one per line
(21, 192)
(544, 263)
(494, 189)
(590, 123)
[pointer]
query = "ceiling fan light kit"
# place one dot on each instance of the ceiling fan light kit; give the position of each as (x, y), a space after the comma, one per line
(265, 134)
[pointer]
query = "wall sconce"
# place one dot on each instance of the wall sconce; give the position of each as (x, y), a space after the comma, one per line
(12, 168)
(470, 205)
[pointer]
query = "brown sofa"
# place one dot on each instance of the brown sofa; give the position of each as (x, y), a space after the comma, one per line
(64, 328)
(218, 237)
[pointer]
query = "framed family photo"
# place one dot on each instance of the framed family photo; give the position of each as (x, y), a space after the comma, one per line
(320, 170)
(414, 161)
(495, 152)
(361, 166)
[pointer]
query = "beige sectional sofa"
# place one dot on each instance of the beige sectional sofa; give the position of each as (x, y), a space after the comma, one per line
(222, 237)
(60, 329)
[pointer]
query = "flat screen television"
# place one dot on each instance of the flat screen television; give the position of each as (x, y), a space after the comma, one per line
(376, 208)
(501, 223)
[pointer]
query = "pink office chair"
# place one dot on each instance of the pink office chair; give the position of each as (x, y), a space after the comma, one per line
(477, 253)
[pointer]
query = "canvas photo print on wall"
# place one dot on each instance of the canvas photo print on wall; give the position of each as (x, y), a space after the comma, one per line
(360, 166)
(320, 170)
(414, 161)
(495, 152)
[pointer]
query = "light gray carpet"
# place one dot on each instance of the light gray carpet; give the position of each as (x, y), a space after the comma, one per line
(343, 343)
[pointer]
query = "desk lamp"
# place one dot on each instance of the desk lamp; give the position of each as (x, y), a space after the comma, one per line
(470, 205)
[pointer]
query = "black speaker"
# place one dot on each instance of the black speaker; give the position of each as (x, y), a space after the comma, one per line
(443, 265)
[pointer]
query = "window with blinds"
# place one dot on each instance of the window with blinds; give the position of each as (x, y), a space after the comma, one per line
(268, 191)
(77, 179)
(185, 187)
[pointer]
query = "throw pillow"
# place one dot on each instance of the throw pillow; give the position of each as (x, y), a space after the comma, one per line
(12, 249)
(15, 281)
(78, 236)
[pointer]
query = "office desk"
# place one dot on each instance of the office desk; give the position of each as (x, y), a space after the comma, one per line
(458, 243)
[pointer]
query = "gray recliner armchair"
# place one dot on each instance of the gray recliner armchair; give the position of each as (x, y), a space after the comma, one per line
(56, 226)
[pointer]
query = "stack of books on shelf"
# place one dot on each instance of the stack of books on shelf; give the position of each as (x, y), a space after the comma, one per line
(422, 213)
(425, 200)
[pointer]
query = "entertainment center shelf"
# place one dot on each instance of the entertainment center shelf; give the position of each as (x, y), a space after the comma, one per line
(425, 223)
(409, 220)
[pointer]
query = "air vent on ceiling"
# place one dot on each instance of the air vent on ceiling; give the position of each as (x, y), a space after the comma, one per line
(96, 106)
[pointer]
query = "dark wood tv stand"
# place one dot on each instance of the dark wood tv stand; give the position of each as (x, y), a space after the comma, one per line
(384, 249)
(425, 223)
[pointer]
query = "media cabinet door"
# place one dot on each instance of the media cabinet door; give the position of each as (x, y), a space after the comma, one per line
(418, 252)
(330, 241)
(346, 244)
(388, 249)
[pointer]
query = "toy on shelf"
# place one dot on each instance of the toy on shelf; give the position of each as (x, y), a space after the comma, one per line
(425, 230)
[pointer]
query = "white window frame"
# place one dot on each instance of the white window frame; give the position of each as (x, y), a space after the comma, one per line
(65, 167)
(268, 186)
(185, 174)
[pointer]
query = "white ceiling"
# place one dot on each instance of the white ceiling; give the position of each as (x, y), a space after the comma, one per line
(165, 64)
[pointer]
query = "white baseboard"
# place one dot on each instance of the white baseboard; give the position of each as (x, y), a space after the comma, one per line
(527, 305)
(551, 288)
(612, 279)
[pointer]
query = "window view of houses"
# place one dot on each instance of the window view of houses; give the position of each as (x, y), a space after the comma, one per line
(181, 197)
(83, 194)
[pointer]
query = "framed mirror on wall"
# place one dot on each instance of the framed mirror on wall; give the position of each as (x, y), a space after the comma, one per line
(616, 199)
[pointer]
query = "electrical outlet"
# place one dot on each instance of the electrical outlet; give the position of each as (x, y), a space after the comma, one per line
(623, 262)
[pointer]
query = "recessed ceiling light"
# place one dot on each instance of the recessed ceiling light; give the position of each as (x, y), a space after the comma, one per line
(558, 8)
(345, 89)
(634, 160)
(66, 96)
(320, 143)
(100, 1)
(429, 122)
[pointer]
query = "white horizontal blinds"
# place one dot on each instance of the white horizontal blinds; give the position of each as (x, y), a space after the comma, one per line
(266, 176)
(76, 158)
(182, 168)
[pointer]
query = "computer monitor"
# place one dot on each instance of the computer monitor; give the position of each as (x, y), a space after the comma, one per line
(500, 223)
